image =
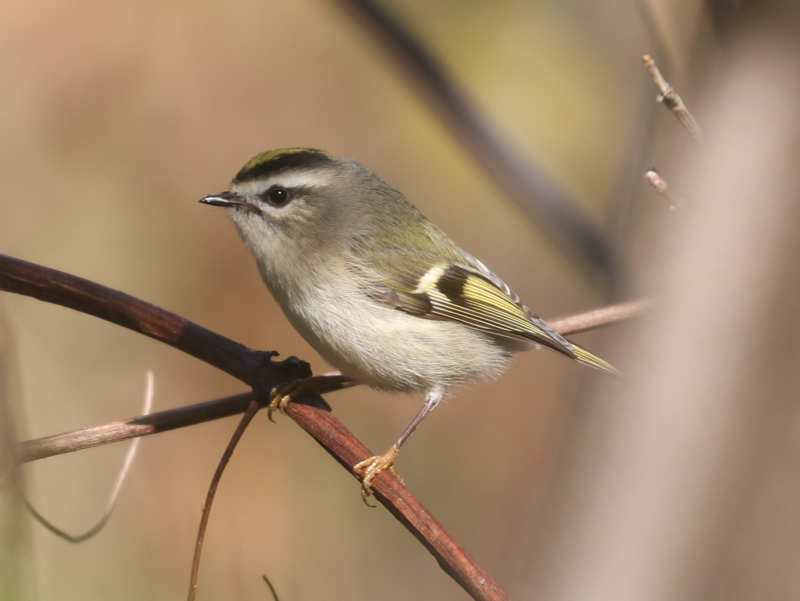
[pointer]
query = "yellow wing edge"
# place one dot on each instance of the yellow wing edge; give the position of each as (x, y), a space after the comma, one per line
(586, 358)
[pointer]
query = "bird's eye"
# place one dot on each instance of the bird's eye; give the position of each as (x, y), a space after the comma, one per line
(277, 196)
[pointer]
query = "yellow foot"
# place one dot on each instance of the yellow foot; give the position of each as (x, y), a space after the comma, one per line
(280, 396)
(371, 467)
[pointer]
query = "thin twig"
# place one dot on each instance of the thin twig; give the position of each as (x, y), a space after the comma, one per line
(271, 588)
(121, 477)
(602, 316)
(252, 409)
(670, 98)
(143, 425)
(252, 368)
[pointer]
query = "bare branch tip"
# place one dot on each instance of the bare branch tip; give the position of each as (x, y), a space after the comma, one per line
(670, 98)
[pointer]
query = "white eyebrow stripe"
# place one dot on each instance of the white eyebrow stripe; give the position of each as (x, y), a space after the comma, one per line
(297, 179)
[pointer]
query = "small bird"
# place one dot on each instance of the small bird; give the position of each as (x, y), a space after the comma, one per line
(378, 290)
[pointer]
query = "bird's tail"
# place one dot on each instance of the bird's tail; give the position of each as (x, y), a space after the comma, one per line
(581, 355)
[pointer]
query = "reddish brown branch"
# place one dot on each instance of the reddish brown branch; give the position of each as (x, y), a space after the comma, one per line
(63, 289)
(247, 365)
(87, 297)
(348, 450)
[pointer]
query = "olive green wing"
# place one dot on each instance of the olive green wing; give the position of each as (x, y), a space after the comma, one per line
(409, 264)
(455, 292)
(471, 294)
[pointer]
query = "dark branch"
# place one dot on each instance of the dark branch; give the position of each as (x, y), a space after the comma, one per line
(522, 180)
(87, 297)
(63, 289)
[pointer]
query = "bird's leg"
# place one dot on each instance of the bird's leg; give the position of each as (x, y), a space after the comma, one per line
(280, 396)
(372, 466)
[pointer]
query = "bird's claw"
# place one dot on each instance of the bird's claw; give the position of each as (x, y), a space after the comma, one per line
(370, 467)
(279, 397)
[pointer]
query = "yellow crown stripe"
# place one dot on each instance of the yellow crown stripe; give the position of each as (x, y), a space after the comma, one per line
(271, 155)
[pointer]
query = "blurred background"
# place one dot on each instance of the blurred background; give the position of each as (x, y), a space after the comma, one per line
(116, 117)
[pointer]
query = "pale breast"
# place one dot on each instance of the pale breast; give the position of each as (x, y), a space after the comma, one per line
(388, 349)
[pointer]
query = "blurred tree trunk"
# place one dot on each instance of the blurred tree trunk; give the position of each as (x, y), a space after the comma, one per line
(681, 482)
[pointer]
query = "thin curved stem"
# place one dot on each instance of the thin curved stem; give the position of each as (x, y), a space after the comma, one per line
(252, 409)
(122, 475)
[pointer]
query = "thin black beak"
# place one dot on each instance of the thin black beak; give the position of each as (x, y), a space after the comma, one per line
(224, 199)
